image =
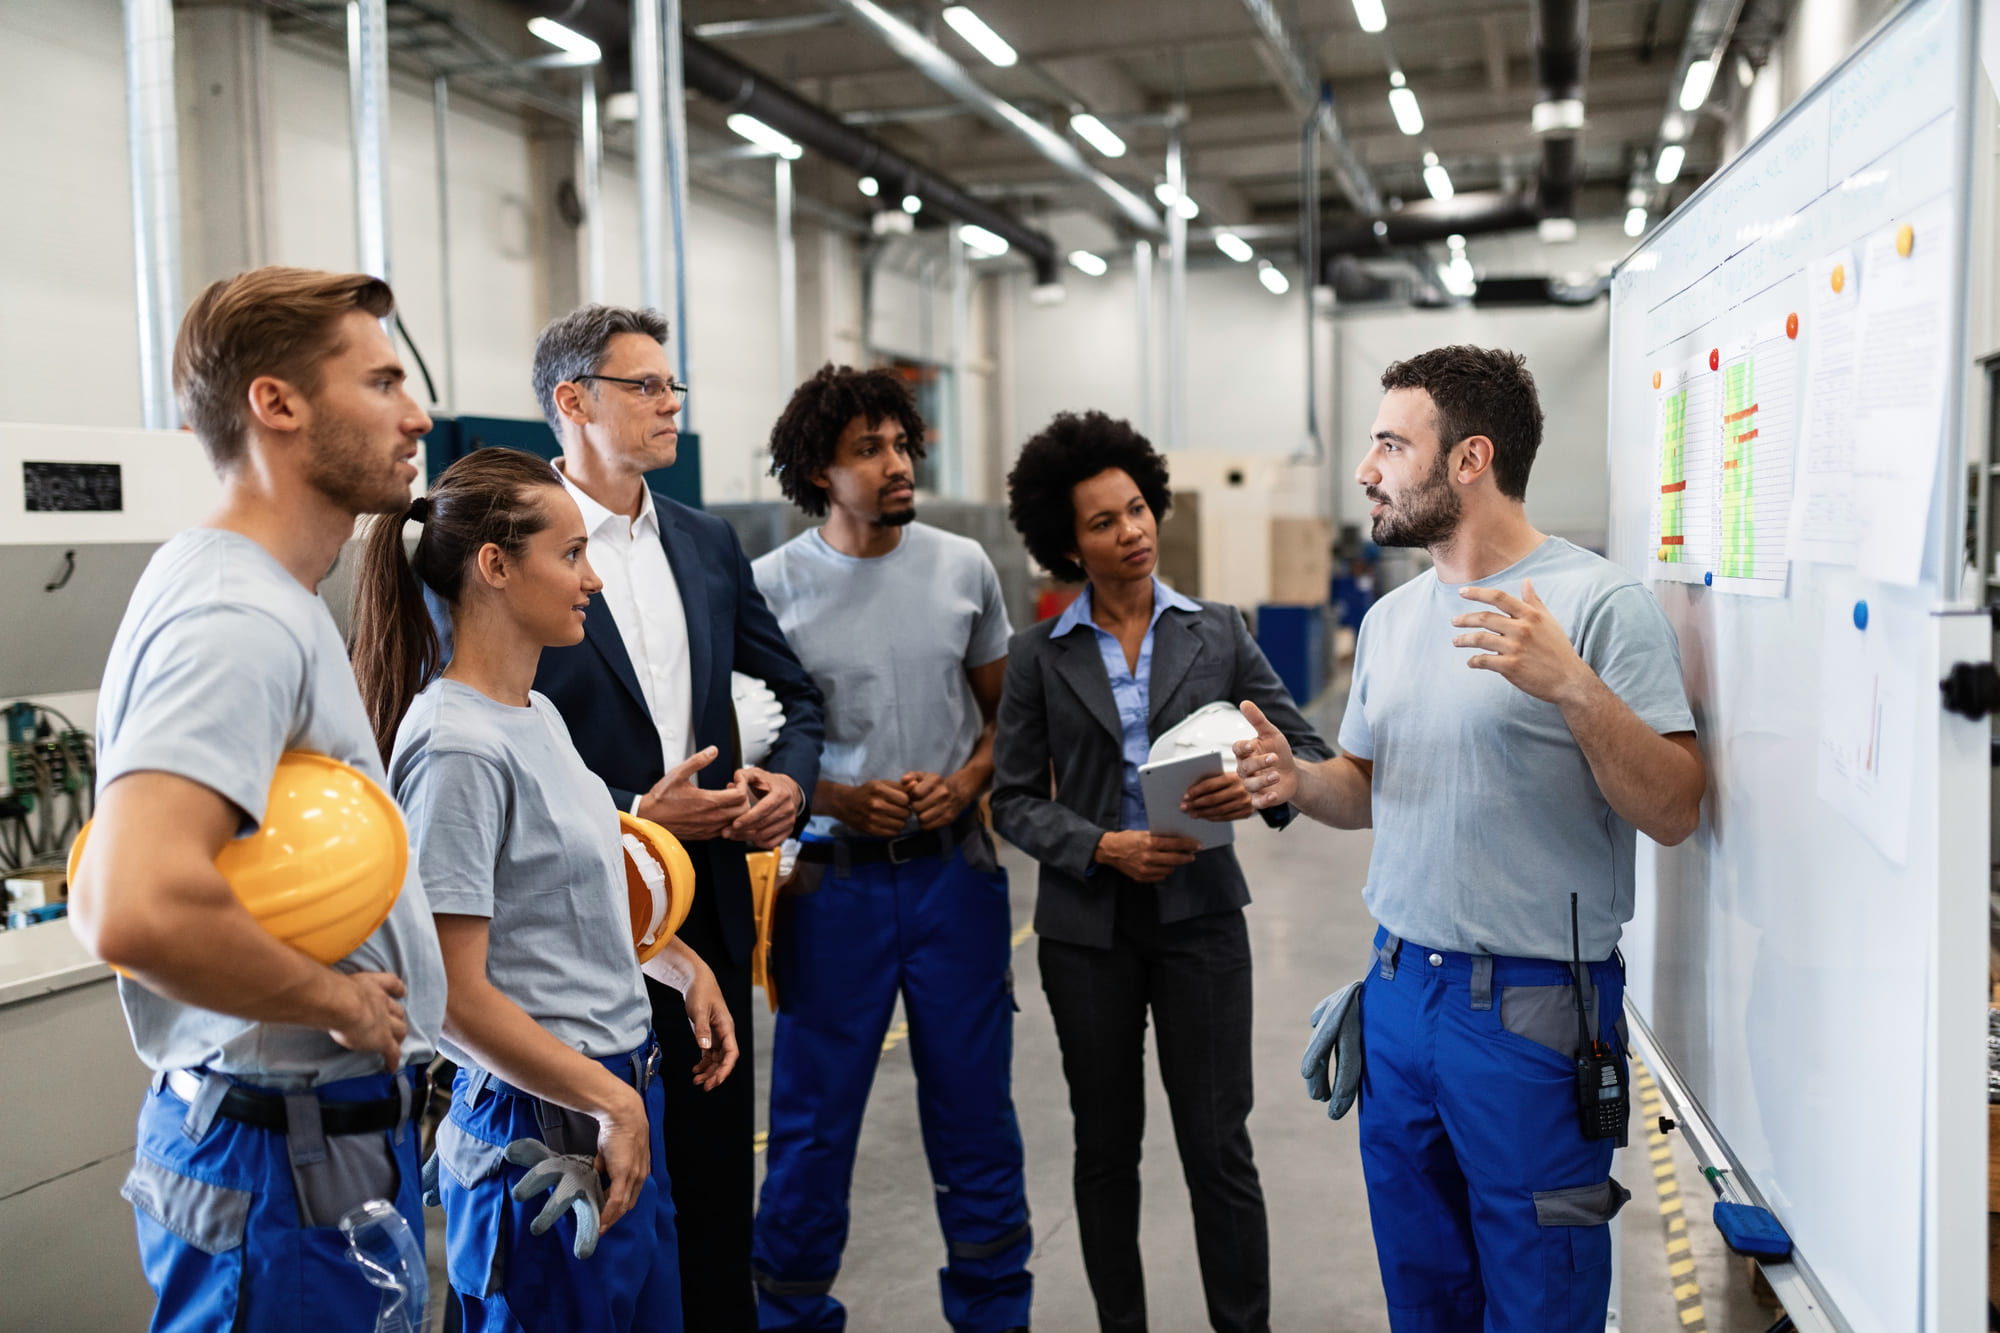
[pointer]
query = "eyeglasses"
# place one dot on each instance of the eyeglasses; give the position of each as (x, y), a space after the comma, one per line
(649, 388)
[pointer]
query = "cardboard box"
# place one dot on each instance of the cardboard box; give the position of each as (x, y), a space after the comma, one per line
(48, 884)
(1301, 561)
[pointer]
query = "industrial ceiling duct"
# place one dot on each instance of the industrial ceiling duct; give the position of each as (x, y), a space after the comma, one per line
(1562, 55)
(1476, 214)
(739, 88)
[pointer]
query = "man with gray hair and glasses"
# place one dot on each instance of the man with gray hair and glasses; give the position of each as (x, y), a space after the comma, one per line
(646, 699)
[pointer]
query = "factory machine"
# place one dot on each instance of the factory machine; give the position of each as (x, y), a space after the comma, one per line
(81, 512)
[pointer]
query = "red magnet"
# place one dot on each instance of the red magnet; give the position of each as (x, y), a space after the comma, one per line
(1715, 358)
(1792, 326)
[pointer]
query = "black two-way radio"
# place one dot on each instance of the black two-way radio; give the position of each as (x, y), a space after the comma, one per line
(1602, 1103)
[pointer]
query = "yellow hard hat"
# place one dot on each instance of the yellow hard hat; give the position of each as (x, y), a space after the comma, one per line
(660, 889)
(326, 865)
(763, 868)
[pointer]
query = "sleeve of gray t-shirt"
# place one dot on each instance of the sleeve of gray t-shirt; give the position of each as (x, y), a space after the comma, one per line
(988, 642)
(212, 699)
(459, 810)
(1355, 737)
(1631, 646)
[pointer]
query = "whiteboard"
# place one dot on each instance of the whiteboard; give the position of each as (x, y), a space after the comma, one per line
(1819, 999)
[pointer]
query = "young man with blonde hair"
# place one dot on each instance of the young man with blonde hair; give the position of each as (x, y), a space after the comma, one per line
(282, 1088)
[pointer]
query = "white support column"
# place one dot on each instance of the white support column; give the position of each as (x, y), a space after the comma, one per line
(958, 452)
(156, 200)
(1174, 373)
(592, 135)
(675, 90)
(649, 129)
(1142, 284)
(788, 299)
(368, 115)
(441, 153)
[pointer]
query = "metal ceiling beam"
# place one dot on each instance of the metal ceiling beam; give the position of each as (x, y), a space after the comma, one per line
(1299, 78)
(951, 76)
(1709, 30)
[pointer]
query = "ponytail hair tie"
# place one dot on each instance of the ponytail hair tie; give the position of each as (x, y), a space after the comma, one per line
(420, 509)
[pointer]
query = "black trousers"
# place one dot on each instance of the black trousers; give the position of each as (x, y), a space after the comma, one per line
(1194, 976)
(710, 1152)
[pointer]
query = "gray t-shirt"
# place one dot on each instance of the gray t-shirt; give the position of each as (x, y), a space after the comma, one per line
(1486, 814)
(511, 826)
(888, 641)
(223, 662)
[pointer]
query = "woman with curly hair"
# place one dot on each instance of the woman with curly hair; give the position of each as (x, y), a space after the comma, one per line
(1131, 921)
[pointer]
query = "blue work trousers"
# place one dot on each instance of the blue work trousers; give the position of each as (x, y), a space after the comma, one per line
(503, 1277)
(935, 930)
(227, 1238)
(1491, 1210)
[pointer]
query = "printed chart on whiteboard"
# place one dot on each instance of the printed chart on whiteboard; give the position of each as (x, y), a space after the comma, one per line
(1755, 507)
(1687, 435)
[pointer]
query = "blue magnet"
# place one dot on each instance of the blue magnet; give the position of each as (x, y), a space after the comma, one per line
(1861, 615)
(1708, 579)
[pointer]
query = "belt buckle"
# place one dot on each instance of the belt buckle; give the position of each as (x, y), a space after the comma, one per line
(652, 1064)
(895, 848)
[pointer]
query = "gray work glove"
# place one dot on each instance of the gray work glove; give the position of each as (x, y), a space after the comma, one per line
(429, 1182)
(1332, 1063)
(573, 1184)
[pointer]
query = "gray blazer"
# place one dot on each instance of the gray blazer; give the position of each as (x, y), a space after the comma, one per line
(1059, 764)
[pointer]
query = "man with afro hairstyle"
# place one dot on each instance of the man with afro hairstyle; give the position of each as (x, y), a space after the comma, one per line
(903, 629)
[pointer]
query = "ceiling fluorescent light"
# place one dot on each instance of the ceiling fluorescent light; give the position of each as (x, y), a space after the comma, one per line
(1165, 194)
(1409, 119)
(1188, 208)
(982, 240)
(1272, 277)
(1183, 205)
(1561, 114)
(1085, 262)
(1370, 15)
(978, 36)
(911, 204)
(1438, 181)
(1669, 169)
(870, 186)
(1635, 221)
(1700, 78)
(1234, 246)
(564, 39)
(766, 138)
(1556, 231)
(1097, 134)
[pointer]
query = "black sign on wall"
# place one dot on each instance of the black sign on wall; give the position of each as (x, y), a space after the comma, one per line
(92, 488)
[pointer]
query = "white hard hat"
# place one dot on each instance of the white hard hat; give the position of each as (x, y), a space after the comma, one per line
(1216, 726)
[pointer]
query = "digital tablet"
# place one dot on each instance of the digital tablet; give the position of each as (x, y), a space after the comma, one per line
(1166, 782)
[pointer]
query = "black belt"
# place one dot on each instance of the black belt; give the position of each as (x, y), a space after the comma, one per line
(896, 851)
(266, 1110)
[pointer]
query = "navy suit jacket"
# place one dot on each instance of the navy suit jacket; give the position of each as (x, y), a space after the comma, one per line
(593, 685)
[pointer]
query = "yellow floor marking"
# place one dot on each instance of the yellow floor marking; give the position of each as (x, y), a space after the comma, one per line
(758, 1143)
(895, 1037)
(1021, 935)
(1667, 1187)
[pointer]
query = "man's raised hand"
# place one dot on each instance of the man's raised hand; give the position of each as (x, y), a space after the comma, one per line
(1265, 764)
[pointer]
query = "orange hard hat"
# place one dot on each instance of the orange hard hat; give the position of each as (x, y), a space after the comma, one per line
(763, 868)
(327, 863)
(659, 883)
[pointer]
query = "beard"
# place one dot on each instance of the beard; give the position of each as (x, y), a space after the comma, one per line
(349, 468)
(896, 518)
(1426, 515)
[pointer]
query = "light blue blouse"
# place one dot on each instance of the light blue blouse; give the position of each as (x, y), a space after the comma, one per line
(1131, 687)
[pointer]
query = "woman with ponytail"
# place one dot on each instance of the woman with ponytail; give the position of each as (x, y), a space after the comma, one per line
(519, 848)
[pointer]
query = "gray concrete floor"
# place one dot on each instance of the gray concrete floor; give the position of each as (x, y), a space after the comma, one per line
(1310, 935)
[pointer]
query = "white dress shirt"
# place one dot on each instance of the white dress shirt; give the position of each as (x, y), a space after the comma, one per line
(645, 604)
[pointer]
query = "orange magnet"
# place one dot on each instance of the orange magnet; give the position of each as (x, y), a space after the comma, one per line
(1656, 379)
(1715, 358)
(1906, 240)
(1839, 277)
(1792, 325)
